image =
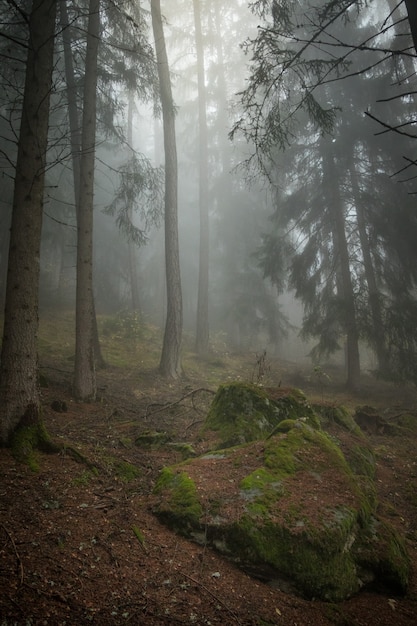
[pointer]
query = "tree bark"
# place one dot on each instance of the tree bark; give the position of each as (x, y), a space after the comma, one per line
(345, 279)
(133, 263)
(202, 327)
(378, 334)
(19, 393)
(76, 141)
(170, 363)
(411, 7)
(84, 374)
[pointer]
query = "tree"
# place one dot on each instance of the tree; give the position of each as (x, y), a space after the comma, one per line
(19, 392)
(170, 363)
(84, 372)
(202, 328)
(296, 58)
(412, 18)
(133, 273)
(345, 291)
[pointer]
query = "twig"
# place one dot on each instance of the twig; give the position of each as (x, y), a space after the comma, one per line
(172, 404)
(193, 423)
(19, 560)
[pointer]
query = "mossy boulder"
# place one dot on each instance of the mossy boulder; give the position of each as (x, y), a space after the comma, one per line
(372, 423)
(152, 439)
(243, 412)
(338, 415)
(180, 506)
(405, 423)
(288, 509)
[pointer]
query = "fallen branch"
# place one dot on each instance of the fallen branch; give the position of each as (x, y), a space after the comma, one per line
(169, 405)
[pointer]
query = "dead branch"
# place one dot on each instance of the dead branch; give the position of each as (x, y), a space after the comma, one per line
(170, 405)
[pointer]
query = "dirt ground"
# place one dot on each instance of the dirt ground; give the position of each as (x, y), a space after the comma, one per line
(79, 543)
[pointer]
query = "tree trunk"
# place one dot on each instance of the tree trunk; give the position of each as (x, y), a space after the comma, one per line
(170, 364)
(345, 278)
(84, 374)
(378, 335)
(133, 263)
(411, 7)
(202, 328)
(76, 140)
(19, 393)
(71, 88)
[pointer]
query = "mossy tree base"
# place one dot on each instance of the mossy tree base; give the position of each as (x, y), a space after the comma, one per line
(30, 437)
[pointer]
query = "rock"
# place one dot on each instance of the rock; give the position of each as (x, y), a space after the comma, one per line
(369, 420)
(337, 415)
(243, 412)
(291, 509)
(152, 439)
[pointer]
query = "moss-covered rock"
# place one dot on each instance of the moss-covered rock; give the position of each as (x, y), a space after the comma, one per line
(288, 508)
(331, 414)
(152, 439)
(406, 422)
(372, 423)
(243, 412)
(180, 505)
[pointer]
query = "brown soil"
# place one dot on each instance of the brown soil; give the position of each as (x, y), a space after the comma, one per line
(79, 543)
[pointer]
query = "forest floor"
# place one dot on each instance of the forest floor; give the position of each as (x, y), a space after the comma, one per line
(79, 543)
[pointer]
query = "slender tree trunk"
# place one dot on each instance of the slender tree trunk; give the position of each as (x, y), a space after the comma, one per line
(411, 6)
(74, 122)
(133, 267)
(76, 140)
(84, 374)
(170, 364)
(19, 393)
(224, 198)
(378, 335)
(202, 329)
(345, 278)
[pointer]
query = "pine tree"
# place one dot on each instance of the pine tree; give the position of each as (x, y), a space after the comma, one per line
(170, 363)
(19, 393)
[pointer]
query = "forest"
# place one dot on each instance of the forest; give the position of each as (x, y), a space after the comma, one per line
(197, 194)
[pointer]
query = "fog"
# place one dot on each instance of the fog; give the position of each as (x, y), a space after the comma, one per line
(274, 240)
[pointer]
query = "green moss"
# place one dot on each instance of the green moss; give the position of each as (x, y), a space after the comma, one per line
(280, 453)
(332, 414)
(152, 439)
(284, 426)
(180, 506)
(139, 535)
(29, 437)
(295, 407)
(382, 550)
(126, 471)
(83, 479)
(243, 412)
(327, 554)
(408, 421)
(361, 459)
(316, 572)
(186, 450)
(260, 489)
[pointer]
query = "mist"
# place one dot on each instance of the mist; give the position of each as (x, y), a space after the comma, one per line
(284, 264)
